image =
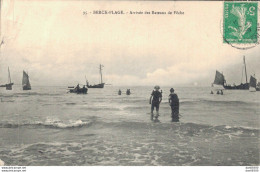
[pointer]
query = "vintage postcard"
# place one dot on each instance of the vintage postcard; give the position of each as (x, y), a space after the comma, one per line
(129, 83)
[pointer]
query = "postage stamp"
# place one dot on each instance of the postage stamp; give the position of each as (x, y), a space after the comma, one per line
(240, 22)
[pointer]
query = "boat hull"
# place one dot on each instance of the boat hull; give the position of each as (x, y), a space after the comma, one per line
(79, 91)
(26, 88)
(244, 86)
(8, 86)
(96, 86)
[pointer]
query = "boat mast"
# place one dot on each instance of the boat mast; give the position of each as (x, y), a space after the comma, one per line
(9, 76)
(245, 68)
(100, 70)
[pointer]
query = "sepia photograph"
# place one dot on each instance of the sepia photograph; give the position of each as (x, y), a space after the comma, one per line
(129, 83)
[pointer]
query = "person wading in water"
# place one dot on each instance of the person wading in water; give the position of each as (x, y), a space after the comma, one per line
(174, 103)
(155, 100)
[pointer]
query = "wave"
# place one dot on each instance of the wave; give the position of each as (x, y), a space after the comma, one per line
(186, 128)
(97, 109)
(26, 94)
(215, 102)
(57, 124)
(1, 100)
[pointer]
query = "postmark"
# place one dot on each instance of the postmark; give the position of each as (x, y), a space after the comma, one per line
(240, 23)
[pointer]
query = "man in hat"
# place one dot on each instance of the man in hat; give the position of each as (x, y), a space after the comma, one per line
(155, 100)
(174, 103)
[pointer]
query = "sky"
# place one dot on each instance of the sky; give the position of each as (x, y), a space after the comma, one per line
(57, 45)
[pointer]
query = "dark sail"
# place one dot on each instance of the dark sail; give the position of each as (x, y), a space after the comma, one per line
(219, 78)
(252, 82)
(26, 83)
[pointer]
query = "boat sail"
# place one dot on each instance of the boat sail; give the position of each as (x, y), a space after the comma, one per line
(258, 86)
(253, 85)
(242, 86)
(219, 78)
(25, 82)
(101, 85)
(252, 82)
(9, 85)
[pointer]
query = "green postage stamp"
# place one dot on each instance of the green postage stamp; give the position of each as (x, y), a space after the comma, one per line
(240, 22)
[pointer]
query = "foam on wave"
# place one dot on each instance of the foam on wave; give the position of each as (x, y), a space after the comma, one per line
(50, 124)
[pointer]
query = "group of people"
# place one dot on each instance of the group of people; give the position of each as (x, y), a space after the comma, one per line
(218, 92)
(79, 90)
(155, 100)
(128, 92)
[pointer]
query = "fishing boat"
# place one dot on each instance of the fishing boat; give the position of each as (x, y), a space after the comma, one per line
(9, 85)
(218, 83)
(25, 82)
(220, 80)
(78, 90)
(101, 84)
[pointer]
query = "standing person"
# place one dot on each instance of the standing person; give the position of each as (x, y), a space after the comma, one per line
(119, 92)
(174, 103)
(128, 92)
(155, 100)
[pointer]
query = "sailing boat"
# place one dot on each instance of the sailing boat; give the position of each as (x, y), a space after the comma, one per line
(9, 85)
(25, 82)
(253, 85)
(101, 85)
(221, 80)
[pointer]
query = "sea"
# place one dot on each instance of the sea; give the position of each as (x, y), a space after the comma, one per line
(47, 126)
